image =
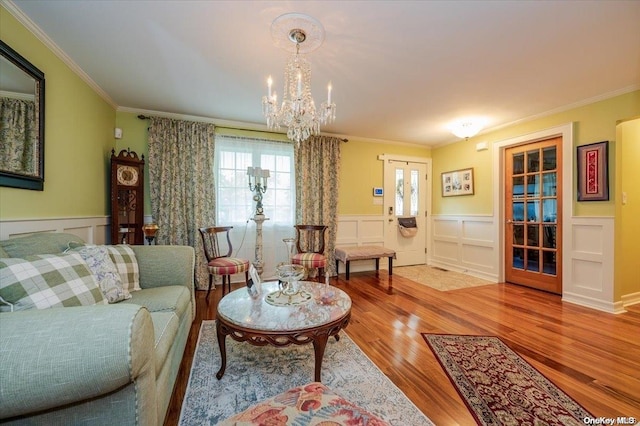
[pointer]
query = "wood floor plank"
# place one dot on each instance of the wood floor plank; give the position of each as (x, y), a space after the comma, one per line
(593, 356)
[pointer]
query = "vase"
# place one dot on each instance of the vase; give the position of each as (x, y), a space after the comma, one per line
(289, 275)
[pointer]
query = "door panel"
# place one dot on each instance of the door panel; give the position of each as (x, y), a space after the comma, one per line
(405, 192)
(533, 212)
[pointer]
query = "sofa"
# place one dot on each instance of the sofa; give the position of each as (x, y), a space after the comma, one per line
(106, 364)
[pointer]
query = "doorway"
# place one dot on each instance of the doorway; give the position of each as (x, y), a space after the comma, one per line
(533, 214)
(406, 196)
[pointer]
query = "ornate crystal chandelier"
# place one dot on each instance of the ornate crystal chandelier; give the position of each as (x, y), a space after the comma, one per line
(298, 110)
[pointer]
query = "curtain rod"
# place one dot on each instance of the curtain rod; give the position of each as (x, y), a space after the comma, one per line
(146, 117)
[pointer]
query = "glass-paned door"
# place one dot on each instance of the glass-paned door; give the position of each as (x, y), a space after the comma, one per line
(533, 211)
(405, 197)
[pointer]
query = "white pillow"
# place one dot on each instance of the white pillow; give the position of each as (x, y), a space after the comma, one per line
(105, 272)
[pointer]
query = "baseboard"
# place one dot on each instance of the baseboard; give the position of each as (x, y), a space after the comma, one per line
(474, 273)
(588, 302)
(630, 299)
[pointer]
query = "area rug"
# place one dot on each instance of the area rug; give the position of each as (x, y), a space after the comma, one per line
(439, 279)
(256, 373)
(498, 386)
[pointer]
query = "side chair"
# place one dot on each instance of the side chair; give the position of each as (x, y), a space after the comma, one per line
(310, 245)
(219, 263)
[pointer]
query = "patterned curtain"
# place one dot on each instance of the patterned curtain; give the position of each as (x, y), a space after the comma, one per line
(182, 184)
(317, 182)
(18, 134)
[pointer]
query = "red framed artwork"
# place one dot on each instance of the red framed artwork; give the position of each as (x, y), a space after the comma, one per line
(593, 172)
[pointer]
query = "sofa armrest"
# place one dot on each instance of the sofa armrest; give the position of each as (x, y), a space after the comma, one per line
(53, 357)
(165, 265)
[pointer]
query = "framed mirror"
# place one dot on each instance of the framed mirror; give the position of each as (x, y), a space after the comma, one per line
(21, 121)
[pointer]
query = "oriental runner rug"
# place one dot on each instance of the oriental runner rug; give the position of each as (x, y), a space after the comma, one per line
(498, 386)
(254, 374)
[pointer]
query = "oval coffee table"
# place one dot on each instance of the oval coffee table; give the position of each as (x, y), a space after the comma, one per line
(256, 321)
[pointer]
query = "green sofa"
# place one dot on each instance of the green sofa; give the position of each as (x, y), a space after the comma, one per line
(110, 364)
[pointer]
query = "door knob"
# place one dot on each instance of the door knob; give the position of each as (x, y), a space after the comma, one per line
(509, 221)
(390, 220)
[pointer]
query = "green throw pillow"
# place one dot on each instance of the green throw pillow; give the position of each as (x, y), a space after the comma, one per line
(47, 281)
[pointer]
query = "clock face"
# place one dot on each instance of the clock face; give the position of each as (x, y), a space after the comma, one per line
(127, 175)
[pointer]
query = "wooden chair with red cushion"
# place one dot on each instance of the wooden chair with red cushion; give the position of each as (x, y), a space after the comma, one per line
(310, 245)
(219, 263)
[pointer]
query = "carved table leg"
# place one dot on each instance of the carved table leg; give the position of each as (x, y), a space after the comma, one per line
(223, 350)
(318, 348)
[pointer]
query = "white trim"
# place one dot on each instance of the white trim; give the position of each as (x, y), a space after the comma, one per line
(360, 230)
(464, 243)
(590, 302)
(21, 17)
(630, 299)
(588, 101)
(595, 290)
(92, 229)
(566, 131)
(386, 159)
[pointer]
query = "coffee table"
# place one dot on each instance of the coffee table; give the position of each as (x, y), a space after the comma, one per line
(257, 322)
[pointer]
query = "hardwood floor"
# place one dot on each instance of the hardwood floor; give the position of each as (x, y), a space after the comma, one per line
(593, 356)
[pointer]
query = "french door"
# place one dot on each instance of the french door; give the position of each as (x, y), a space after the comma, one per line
(405, 189)
(533, 212)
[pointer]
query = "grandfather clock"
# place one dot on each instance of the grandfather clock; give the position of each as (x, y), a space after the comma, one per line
(127, 197)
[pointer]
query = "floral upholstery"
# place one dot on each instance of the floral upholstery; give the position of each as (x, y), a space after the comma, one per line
(228, 266)
(309, 260)
(313, 404)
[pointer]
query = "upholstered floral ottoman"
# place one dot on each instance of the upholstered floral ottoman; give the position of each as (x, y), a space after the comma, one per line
(311, 404)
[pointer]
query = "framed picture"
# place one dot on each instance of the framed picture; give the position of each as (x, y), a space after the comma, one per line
(457, 182)
(593, 172)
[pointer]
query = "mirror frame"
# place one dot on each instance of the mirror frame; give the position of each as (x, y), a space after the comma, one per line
(17, 180)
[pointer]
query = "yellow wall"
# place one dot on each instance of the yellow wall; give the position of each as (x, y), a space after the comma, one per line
(78, 138)
(594, 123)
(361, 171)
(627, 225)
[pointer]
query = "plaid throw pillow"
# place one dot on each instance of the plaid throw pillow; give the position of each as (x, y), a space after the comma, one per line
(127, 265)
(47, 281)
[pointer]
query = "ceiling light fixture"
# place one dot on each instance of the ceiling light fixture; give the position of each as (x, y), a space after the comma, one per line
(466, 128)
(298, 110)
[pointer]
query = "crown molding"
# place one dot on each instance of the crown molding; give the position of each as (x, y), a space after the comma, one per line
(558, 110)
(17, 13)
(243, 125)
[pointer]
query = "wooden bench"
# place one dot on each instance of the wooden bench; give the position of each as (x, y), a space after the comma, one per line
(347, 254)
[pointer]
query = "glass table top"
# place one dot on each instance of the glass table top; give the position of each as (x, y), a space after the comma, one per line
(327, 304)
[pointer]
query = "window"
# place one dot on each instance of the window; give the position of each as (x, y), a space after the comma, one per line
(234, 201)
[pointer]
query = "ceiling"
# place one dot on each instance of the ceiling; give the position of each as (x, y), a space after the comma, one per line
(401, 71)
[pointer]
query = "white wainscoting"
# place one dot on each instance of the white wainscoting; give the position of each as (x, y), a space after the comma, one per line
(589, 264)
(464, 244)
(459, 243)
(360, 230)
(93, 230)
